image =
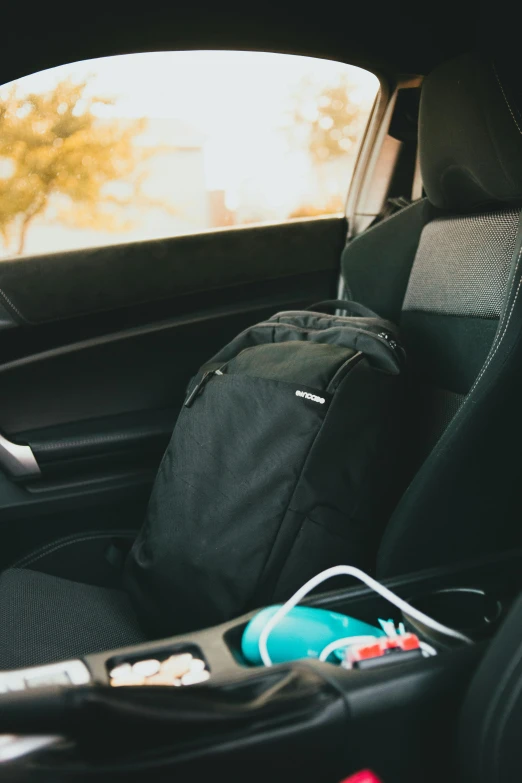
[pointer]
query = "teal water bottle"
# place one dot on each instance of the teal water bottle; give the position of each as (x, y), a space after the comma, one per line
(303, 633)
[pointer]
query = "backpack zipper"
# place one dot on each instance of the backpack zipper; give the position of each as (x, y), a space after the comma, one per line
(200, 385)
(388, 339)
(343, 370)
(393, 343)
(383, 337)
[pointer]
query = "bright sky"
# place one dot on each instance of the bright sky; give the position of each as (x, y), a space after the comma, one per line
(236, 107)
(236, 100)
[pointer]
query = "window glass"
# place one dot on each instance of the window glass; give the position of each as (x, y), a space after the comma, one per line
(153, 145)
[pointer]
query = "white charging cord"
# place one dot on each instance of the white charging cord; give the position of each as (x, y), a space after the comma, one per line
(427, 649)
(374, 585)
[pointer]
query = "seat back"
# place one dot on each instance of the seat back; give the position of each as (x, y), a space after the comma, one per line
(447, 268)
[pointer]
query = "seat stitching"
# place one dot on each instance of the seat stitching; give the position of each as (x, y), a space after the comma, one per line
(54, 547)
(499, 340)
(505, 97)
(12, 305)
(439, 448)
(40, 550)
(457, 422)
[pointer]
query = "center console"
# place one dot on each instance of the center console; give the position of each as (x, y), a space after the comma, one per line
(303, 720)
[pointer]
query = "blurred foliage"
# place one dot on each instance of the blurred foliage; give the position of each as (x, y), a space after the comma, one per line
(330, 118)
(53, 144)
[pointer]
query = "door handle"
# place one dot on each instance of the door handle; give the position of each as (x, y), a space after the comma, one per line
(17, 460)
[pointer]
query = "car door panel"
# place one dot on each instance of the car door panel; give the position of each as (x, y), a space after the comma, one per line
(97, 347)
(64, 285)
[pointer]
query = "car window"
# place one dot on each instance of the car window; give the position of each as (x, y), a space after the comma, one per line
(152, 145)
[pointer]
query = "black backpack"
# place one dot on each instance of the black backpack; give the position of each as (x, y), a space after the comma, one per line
(282, 463)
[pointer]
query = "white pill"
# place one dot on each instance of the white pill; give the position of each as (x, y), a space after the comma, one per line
(119, 682)
(197, 666)
(146, 668)
(192, 678)
(123, 670)
(177, 664)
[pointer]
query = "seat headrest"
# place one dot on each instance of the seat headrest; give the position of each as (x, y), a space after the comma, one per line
(470, 134)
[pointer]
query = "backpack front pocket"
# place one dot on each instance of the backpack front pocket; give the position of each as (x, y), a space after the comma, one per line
(222, 492)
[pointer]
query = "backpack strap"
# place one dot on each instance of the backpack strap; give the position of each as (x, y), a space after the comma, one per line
(352, 308)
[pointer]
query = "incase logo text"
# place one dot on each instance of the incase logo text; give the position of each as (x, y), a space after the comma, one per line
(312, 397)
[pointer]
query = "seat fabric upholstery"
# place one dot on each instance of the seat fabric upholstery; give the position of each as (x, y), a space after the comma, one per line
(44, 618)
(459, 317)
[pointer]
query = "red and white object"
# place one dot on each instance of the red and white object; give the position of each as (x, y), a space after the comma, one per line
(382, 647)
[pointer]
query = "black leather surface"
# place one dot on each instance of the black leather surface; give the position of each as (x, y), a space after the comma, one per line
(63, 285)
(149, 429)
(490, 750)
(376, 264)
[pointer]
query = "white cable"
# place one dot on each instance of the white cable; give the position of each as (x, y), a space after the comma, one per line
(428, 649)
(341, 570)
(346, 642)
